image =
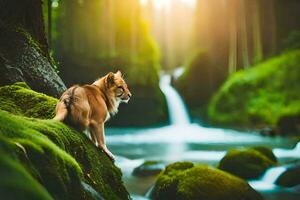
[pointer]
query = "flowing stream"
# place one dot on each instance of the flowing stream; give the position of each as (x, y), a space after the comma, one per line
(182, 140)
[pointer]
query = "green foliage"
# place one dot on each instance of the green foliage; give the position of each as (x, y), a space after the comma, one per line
(199, 81)
(292, 41)
(19, 99)
(245, 163)
(52, 153)
(289, 178)
(184, 181)
(260, 95)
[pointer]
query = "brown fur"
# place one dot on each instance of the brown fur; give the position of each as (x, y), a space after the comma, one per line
(90, 106)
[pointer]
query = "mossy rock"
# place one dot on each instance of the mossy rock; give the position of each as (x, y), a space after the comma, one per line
(148, 168)
(19, 99)
(259, 96)
(289, 178)
(17, 183)
(266, 152)
(245, 163)
(185, 181)
(56, 157)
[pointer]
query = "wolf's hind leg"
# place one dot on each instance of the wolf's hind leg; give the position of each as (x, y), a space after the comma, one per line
(98, 131)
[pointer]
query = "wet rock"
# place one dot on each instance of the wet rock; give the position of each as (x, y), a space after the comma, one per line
(245, 163)
(148, 168)
(290, 178)
(186, 181)
(268, 131)
(266, 152)
(289, 125)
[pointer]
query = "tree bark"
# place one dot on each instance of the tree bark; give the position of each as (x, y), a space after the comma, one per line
(24, 49)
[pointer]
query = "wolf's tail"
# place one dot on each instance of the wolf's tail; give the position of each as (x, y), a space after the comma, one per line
(64, 107)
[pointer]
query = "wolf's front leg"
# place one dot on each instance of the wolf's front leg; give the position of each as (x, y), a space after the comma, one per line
(98, 131)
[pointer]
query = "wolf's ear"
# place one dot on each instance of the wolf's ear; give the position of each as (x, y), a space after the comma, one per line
(110, 79)
(119, 73)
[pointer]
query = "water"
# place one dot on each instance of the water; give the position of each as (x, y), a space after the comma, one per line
(191, 142)
(267, 182)
(177, 110)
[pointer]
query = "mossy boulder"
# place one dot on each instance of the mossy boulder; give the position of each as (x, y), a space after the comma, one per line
(245, 163)
(289, 178)
(148, 168)
(186, 181)
(259, 96)
(266, 151)
(17, 183)
(54, 156)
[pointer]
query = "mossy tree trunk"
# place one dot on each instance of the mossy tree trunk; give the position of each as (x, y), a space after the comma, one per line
(24, 52)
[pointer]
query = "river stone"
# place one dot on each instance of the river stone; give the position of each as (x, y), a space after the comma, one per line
(291, 177)
(245, 163)
(186, 181)
(148, 168)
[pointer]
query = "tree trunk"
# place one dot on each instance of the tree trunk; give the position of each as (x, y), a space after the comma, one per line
(23, 47)
(257, 45)
(49, 9)
(233, 37)
(244, 35)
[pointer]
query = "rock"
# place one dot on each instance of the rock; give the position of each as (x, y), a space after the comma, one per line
(290, 178)
(185, 181)
(268, 131)
(245, 163)
(148, 168)
(17, 183)
(52, 154)
(198, 91)
(289, 125)
(266, 152)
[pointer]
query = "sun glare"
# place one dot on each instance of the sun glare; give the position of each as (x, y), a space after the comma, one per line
(159, 4)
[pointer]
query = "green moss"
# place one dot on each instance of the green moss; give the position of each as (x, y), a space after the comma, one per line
(289, 178)
(266, 151)
(19, 99)
(56, 156)
(56, 170)
(17, 183)
(260, 95)
(245, 163)
(184, 181)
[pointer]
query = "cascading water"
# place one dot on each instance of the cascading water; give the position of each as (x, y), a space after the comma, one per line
(267, 182)
(186, 141)
(177, 110)
(272, 174)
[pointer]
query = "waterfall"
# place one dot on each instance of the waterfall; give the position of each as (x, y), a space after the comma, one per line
(272, 174)
(267, 182)
(177, 111)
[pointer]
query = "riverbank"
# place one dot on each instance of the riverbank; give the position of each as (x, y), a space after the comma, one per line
(183, 141)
